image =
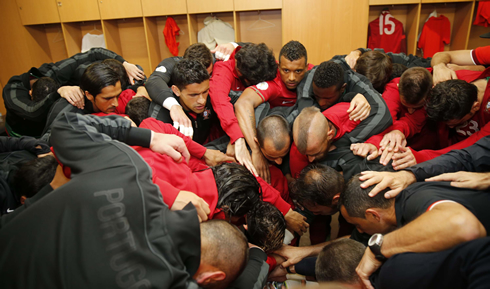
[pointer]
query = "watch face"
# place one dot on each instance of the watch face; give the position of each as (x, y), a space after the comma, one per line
(374, 240)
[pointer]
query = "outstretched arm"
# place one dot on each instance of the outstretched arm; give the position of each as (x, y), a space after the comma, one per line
(244, 110)
(441, 59)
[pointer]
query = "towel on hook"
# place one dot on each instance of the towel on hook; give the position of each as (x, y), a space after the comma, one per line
(170, 32)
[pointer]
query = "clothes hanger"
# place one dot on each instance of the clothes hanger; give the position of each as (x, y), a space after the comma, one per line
(59, 36)
(261, 24)
(95, 30)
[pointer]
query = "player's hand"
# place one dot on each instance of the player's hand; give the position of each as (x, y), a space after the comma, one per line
(132, 122)
(133, 72)
(469, 180)
(186, 197)
(215, 157)
(181, 121)
(142, 92)
(352, 57)
(296, 222)
(365, 150)
(242, 155)
(73, 94)
(359, 108)
(442, 73)
(292, 254)
(230, 150)
(404, 158)
(262, 166)
(368, 265)
(171, 145)
(396, 181)
(393, 140)
(390, 145)
(223, 51)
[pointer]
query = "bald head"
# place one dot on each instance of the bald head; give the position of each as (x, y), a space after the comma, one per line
(223, 249)
(273, 137)
(310, 129)
(275, 129)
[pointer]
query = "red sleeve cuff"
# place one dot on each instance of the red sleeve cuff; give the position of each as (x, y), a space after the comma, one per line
(271, 261)
(234, 132)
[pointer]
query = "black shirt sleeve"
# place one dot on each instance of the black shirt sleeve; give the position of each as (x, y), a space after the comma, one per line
(255, 273)
(475, 158)
(36, 146)
(158, 84)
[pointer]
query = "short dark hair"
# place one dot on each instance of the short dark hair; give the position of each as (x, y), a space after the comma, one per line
(293, 50)
(137, 109)
(256, 63)
(317, 184)
(356, 199)
(118, 67)
(43, 87)
(266, 226)
(329, 73)
(274, 127)
(398, 70)
(238, 189)
(199, 52)
(377, 67)
(188, 71)
(33, 176)
(451, 99)
(337, 262)
(97, 76)
(225, 248)
(415, 84)
(303, 122)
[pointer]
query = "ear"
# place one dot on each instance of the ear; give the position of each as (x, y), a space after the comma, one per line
(89, 96)
(343, 88)
(475, 107)
(30, 93)
(335, 199)
(331, 132)
(206, 278)
(372, 214)
(176, 90)
(23, 199)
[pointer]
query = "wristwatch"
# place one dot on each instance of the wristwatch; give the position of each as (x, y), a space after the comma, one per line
(374, 244)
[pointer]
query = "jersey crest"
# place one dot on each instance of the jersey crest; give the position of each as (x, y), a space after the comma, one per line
(161, 69)
(263, 86)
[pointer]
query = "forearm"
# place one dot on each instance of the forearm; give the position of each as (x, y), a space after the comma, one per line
(459, 57)
(440, 58)
(245, 115)
(475, 158)
(445, 226)
(158, 89)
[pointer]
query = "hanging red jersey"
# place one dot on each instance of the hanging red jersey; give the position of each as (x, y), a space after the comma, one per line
(386, 32)
(483, 14)
(436, 33)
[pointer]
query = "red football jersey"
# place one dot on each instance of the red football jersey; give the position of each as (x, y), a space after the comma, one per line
(436, 33)
(483, 14)
(386, 32)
